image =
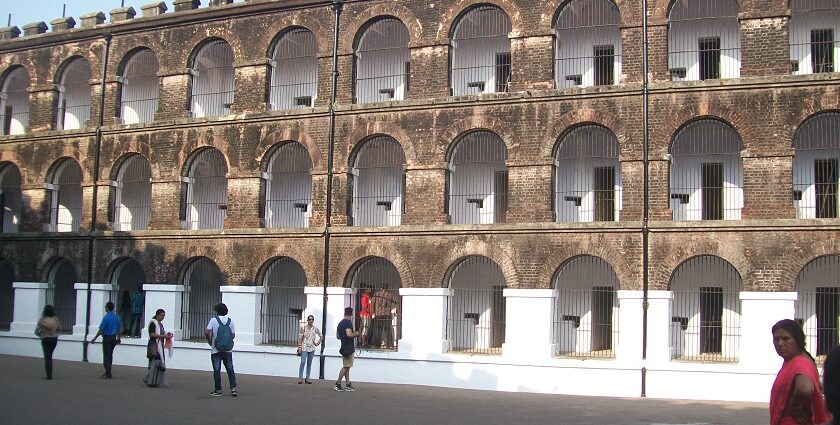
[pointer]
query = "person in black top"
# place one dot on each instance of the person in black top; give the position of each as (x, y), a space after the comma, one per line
(347, 335)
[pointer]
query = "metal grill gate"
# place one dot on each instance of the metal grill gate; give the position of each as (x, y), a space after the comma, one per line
(381, 280)
(477, 180)
(587, 45)
(814, 28)
(378, 183)
(62, 293)
(815, 167)
(202, 291)
(294, 71)
(14, 102)
(476, 317)
(704, 40)
(11, 198)
(818, 304)
(65, 195)
(480, 58)
(74, 96)
(131, 195)
(212, 80)
(284, 302)
(288, 187)
(205, 191)
(139, 88)
(382, 62)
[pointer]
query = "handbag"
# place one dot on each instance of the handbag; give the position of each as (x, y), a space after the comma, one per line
(152, 350)
(299, 351)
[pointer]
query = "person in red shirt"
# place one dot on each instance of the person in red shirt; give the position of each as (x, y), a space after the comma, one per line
(796, 397)
(365, 314)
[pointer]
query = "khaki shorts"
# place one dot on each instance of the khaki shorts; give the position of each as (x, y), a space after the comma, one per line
(348, 361)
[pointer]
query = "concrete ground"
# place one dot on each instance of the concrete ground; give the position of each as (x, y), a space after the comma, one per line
(76, 395)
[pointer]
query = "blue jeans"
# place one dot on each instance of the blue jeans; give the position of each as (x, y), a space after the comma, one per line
(217, 359)
(305, 358)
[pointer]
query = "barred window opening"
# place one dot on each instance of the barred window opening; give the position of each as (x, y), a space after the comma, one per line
(7, 294)
(212, 80)
(206, 191)
(588, 44)
(128, 276)
(814, 26)
(139, 88)
(380, 317)
(478, 180)
(480, 49)
(65, 197)
(587, 176)
(815, 167)
(284, 302)
(586, 322)
(61, 293)
(11, 198)
(705, 325)
(132, 195)
(476, 317)
(704, 40)
(288, 187)
(14, 102)
(202, 291)
(706, 172)
(294, 71)
(382, 62)
(818, 304)
(74, 95)
(378, 179)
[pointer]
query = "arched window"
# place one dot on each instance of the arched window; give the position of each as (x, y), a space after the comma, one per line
(127, 278)
(818, 303)
(294, 71)
(11, 198)
(7, 294)
(478, 180)
(380, 280)
(14, 102)
(587, 176)
(61, 293)
(588, 44)
(814, 28)
(204, 190)
(378, 181)
(382, 62)
(131, 195)
(704, 40)
(706, 172)
(284, 302)
(586, 322)
(476, 322)
(139, 87)
(212, 80)
(64, 192)
(288, 187)
(706, 310)
(74, 95)
(480, 52)
(202, 281)
(815, 166)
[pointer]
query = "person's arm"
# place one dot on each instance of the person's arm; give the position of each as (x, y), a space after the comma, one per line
(98, 332)
(800, 407)
(350, 333)
(153, 331)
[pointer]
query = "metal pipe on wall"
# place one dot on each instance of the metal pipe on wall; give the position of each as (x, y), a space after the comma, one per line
(646, 180)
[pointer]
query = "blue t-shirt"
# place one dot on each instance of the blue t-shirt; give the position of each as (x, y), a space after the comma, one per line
(137, 303)
(110, 324)
(347, 343)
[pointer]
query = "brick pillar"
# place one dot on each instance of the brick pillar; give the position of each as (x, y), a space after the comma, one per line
(429, 72)
(424, 196)
(532, 63)
(660, 207)
(767, 188)
(322, 97)
(166, 206)
(529, 194)
(174, 96)
(42, 110)
(765, 48)
(340, 197)
(632, 66)
(243, 203)
(250, 88)
(632, 190)
(35, 212)
(658, 53)
(345, 88)
(95, 87)
(319, 200)
(112, 109)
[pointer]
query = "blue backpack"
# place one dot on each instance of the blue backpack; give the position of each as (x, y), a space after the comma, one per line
(224, 336)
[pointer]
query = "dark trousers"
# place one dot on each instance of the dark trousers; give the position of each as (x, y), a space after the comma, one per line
(383, 332)
(108, 344)
(134, 326)
(48, 345)
(217, 359)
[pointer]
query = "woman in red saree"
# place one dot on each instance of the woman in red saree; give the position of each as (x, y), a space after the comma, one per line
(796, 397)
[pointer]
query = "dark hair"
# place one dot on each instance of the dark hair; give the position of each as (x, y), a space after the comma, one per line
(348, 311)
(794, 329)
(831, 381)
(221, 309)
(109, 306)
(159, 311)
(313, 317)
(49, 311)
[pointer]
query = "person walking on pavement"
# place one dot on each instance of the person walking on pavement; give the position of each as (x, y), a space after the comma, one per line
(47, 330)
(109, 328)
(220, 333)
(347, 335)
(137, 304)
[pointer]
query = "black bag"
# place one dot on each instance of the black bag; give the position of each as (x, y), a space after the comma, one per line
(152, 350)
(345, 352)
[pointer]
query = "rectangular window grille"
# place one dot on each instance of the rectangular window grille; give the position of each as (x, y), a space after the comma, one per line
(500, 185)
(283, 314)
(705, 325)
(822, 50)
(7, 120)
(502, 72)
(604, 65)
(825, 186)
(709, 58)
(712, 191)
(711, 320)
(604, 193)
(477, 321)
(586, 323)
(828, 309)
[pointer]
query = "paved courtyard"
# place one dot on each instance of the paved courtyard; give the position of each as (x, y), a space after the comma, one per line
(76, 395)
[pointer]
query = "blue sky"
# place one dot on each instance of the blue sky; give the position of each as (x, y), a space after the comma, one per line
(26, 11)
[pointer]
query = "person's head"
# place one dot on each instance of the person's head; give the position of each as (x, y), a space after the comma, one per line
(109, 306)
(221, 309)
(788, 338)
(160, 314)
(348, 311)
(310, 320)
(49, 311)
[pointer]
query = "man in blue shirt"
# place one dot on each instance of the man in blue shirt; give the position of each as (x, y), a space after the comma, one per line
(109, 328)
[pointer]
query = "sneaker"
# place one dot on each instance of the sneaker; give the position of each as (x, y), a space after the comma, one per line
(349, 387)
(233, 392)
(337, 387)
(216, 394)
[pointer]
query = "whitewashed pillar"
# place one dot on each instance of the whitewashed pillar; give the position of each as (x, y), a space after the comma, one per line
(244, 305)
(169, 298)
(100, 293)
(337, 299)
(629, 347)
(759, 312)
(315, 306)
(529, 323)
(30, 298)
(660, 306)
(424, 320)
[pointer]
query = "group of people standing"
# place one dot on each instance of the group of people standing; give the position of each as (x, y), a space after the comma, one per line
(377, 318)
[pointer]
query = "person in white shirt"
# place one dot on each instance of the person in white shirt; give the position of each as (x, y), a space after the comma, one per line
(217, 357)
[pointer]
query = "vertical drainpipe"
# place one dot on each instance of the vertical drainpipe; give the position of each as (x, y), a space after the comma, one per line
(646, 204)
(93, 219)
(336, 7)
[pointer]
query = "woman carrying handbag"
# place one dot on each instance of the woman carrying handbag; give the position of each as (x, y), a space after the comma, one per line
(155, 351)
(309, 338)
